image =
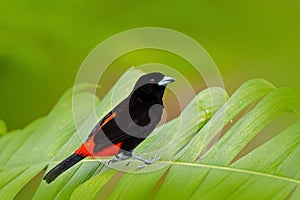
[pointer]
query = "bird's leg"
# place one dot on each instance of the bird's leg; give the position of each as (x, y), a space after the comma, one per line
(120, 156)
(145, 161)
(126, 155)
(116, 158)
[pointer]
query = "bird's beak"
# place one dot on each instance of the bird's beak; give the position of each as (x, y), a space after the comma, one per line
(166, 80)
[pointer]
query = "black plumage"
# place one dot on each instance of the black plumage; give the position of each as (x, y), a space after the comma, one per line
(125, 127)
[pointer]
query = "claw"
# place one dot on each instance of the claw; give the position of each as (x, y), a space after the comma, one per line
(145, 161)
(141, 166)
(118, 158)
(126, 156)
(115, 159)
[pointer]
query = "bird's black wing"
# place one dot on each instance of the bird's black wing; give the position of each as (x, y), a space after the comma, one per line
(121, 129)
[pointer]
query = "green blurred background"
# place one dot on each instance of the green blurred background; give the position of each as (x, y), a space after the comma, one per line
(43, 43)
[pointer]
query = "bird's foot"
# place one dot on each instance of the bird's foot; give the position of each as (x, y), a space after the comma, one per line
(119, 157)
(145, 161)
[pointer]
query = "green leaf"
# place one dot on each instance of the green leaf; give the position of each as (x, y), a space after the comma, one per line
(240, 134)
(3, 128)
(198, 149)
(28, 151)
(246, 95)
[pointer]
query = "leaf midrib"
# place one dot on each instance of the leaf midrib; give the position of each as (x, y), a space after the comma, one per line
(238, 170)
(224, 168)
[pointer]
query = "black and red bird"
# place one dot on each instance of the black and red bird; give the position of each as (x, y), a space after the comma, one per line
(125, 127)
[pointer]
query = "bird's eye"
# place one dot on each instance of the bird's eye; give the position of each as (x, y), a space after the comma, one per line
(152, 81)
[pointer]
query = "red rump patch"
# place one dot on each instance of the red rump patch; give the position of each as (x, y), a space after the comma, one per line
(109, 151)
(87, 148)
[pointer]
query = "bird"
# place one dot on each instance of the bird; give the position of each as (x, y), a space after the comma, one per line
(124, 127)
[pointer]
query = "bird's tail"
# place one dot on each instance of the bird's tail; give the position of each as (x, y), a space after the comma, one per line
(62, 166)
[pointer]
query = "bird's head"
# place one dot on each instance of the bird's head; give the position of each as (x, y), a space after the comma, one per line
(152, 84)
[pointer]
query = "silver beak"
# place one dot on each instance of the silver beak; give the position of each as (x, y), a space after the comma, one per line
(166, 80)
